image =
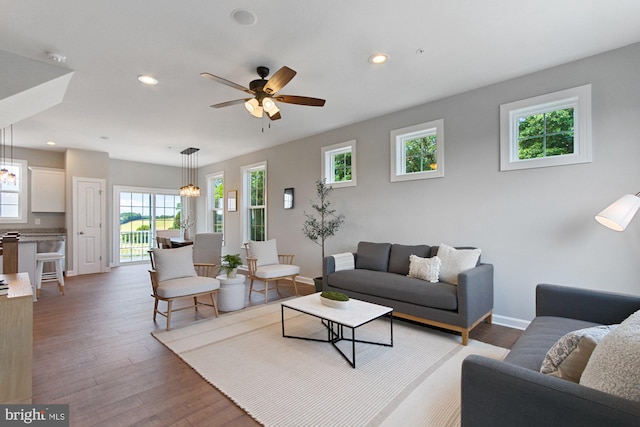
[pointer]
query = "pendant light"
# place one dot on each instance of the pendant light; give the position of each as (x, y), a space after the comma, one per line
(190, 173)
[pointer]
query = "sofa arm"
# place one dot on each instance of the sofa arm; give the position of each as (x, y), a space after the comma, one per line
(475, 293)
(584, 304)
(496, 393)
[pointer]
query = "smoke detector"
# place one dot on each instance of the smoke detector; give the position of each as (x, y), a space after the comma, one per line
(57, 57)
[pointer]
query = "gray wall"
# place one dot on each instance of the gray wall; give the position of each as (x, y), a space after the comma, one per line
(534, 225)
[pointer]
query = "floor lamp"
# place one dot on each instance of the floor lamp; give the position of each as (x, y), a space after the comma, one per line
(618, 214)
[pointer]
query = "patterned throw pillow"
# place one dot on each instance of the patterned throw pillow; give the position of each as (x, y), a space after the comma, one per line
(425, 268)
(570, 354)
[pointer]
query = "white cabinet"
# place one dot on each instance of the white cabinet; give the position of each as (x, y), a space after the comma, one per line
(47, 189)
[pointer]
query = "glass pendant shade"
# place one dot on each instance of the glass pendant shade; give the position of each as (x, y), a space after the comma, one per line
(7, 177)
(617, 215)
(190, 173)
(253, 107)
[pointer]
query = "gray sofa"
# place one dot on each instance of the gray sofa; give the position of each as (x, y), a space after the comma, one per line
(514, 393)
(380, 277)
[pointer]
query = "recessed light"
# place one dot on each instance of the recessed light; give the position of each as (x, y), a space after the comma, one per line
(148, 80)
(244, 17)
(378, 58)
(52, 143)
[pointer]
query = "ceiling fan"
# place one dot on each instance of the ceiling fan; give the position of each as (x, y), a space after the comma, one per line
(265, 93)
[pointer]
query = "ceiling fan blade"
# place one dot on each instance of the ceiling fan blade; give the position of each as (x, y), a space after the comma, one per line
(226, 82)
(300, 100)
(279, 80)
(228, 103)
(275, 116)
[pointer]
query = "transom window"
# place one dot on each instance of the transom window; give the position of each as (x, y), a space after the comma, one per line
(13, 197)
(547, 130)
(255, 202)
(417, 152)
(339, 164)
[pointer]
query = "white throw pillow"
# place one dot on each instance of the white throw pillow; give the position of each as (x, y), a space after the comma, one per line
(614, 365)
(174, 263)
(569, 355)
(455, 261)
(266, 252)
(425, 268)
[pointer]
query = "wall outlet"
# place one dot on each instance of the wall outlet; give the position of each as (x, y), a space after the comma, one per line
(37, 221)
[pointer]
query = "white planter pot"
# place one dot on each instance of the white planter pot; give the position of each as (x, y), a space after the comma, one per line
(333, 303)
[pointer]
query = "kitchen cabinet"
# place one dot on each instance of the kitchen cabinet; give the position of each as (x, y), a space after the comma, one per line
(47, 189)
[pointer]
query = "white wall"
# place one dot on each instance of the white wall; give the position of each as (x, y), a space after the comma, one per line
(534, 225)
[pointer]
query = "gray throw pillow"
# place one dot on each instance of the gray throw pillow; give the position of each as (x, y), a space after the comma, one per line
(399, 258)
(373, 256)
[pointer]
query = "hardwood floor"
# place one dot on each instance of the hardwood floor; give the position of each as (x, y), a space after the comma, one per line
(93, 350)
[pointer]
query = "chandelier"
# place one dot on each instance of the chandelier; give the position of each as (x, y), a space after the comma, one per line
(190, 173)
(6, 177)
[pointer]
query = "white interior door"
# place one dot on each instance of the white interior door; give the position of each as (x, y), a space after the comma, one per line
(88, 228)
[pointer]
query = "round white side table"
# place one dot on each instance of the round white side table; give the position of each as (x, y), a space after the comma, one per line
(231, 296)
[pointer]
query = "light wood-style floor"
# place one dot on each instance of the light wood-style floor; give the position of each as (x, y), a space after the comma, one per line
(93, 350)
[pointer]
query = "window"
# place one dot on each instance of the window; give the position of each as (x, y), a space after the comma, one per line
(13, 198)
(417, 152)
(215, 195)
(141, 212)
(255, 201)
(547, 130)
(339, 164)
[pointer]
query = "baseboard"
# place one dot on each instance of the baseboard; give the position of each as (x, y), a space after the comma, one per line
(510, 322)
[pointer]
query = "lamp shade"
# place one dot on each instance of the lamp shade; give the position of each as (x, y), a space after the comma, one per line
(617, 215)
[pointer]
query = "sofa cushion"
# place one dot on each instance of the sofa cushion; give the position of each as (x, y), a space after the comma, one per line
(399, 257)
(424, 268)
(541, 334)
(455, 261)
(173, 263)
(395, 287)
(614, 365)
(373, 256)
(569, 355)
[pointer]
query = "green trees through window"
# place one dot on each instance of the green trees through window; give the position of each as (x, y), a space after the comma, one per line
(546, 134)
(420, 154)
(342, 167)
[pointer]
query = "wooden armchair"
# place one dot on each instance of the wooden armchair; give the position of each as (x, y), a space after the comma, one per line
(174, 275)
(266, 265)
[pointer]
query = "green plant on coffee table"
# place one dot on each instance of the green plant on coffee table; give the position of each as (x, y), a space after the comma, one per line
(336, 296)
(230, 262)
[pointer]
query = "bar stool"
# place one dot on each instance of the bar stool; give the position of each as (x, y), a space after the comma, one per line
(56, 275)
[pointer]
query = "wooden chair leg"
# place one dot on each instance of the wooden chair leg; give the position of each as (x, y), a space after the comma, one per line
(295, 285)
(251, 287)
(195, 303)
(214, 302)
(465, 337)
(266, 290)
(155, 309)
(169, 314)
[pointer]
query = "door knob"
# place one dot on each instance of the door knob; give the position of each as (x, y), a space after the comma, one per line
(82, 232)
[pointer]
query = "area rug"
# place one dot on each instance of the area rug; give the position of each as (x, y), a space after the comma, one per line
(289, 382)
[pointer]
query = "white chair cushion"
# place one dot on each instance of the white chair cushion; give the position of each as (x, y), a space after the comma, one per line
(185, 286)
(174, 263)
(266, 252)
(277, 270)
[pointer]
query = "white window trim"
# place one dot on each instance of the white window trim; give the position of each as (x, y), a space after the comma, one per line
(327, 165)
(244, 217)
(397, 140)
(579, 98)
(23, 195)
(210, 178)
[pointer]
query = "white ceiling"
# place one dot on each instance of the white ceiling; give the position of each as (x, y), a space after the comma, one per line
(108, 43)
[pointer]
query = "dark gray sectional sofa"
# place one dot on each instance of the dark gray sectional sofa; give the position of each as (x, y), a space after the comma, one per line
(380, 277)
(514, 393)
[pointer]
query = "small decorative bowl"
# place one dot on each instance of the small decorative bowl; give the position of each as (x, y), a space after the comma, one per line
(334, 303)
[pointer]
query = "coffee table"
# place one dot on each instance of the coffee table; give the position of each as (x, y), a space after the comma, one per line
(336, 320)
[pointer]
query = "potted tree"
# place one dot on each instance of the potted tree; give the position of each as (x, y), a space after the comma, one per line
(323, 223)
(230, 264)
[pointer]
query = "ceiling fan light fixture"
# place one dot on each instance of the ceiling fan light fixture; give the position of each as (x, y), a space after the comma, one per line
(253, 107)
(269, 105)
